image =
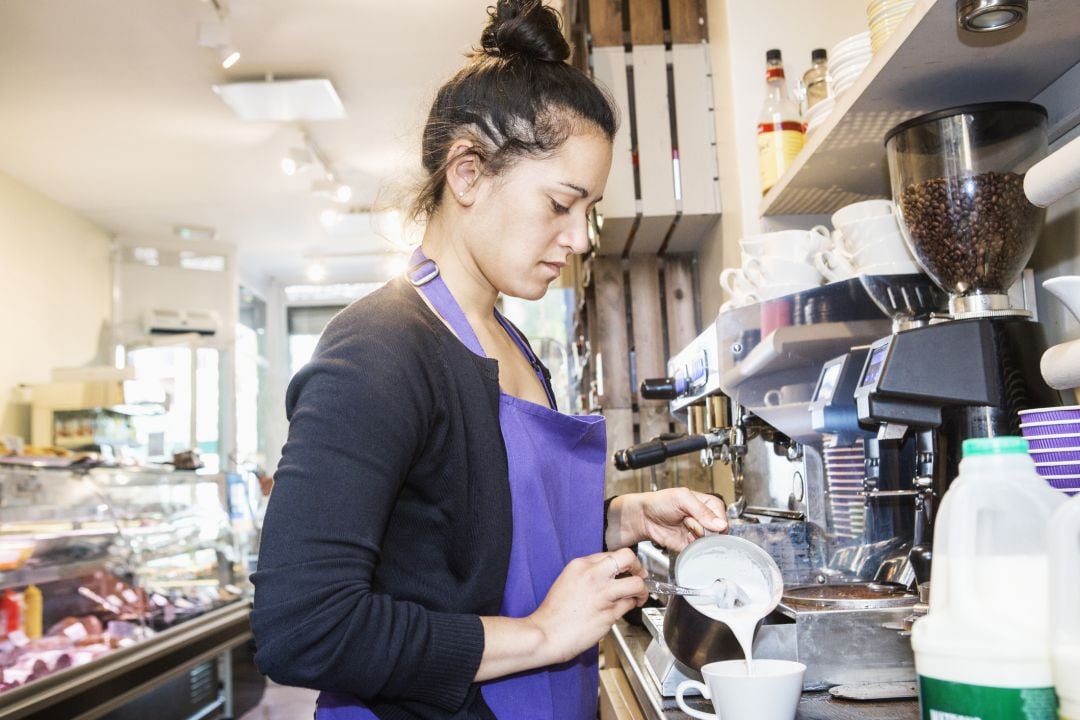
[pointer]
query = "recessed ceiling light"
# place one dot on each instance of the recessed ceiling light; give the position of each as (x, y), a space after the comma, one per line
(989, 15)
(282, 100)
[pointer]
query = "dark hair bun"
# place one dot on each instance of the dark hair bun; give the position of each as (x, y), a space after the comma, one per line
(525, 28)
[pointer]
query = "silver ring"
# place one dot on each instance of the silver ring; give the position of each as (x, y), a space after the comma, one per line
(618, 570)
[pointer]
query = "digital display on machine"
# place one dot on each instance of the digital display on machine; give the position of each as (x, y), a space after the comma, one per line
(873, 368)
(829, 376)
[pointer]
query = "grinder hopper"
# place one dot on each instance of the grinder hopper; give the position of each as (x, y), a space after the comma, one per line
(958, 184)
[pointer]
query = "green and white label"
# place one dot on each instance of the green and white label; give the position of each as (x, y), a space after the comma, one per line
(944, 700)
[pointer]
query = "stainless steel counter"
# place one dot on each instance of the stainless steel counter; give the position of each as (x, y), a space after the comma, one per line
(630, 643)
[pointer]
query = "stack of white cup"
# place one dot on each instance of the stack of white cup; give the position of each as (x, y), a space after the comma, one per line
(867, 241)
(774, 264)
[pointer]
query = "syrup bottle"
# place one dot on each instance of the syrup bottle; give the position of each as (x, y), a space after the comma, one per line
(780, 129)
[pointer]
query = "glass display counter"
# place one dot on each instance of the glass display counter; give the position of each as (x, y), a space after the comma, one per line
(115, 582)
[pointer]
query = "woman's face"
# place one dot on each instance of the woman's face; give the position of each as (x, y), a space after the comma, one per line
(526, 222)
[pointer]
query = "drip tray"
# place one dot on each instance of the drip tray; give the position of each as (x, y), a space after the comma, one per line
(855, 596)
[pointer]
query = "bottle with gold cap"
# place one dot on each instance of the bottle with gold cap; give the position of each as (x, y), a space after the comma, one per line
(32, 611)
(780, 129)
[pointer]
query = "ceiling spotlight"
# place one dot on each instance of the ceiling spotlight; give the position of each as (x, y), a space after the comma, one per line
(329, 218)
(316, 271)
(229, 56)
(296, 160)
(216, 37)
(338, 192)
(343, 193)
(989, 15)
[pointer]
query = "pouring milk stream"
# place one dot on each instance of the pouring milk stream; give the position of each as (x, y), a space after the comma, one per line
(743, 563)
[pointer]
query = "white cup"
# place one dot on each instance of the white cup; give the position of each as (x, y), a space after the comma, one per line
(786, 243)
(860, 210)
(834, 265)
(771, 270)
(788, 394)
(909, 267)
(868, 231)
(735, 283)
(770, 693)
(888, 250)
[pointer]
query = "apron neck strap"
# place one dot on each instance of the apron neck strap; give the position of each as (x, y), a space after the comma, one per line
(423, 273)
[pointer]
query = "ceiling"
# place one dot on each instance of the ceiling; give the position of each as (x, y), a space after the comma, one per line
(107, 108)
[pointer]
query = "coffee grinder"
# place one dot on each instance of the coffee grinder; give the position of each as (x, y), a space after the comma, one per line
(957, 180)
(886, 465)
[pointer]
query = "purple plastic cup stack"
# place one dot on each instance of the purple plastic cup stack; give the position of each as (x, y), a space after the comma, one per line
(1053, 436)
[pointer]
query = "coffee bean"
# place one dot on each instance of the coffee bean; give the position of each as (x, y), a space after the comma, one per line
(972, 233)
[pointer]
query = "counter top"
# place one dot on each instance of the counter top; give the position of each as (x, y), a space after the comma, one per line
(630, 642)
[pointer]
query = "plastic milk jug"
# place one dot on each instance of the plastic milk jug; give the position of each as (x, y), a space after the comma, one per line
(982, 652)
(1065, 606)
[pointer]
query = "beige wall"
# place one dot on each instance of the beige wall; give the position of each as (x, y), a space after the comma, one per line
(55, 286)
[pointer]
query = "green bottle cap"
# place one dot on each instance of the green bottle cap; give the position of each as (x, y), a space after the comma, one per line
(1004, 445)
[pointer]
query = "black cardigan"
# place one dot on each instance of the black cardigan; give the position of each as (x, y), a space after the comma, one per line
(388, 531)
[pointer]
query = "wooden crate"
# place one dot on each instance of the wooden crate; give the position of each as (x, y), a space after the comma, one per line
(636, 312)
(647, 22)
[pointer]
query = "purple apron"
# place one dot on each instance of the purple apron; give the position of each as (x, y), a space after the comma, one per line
(556, 469)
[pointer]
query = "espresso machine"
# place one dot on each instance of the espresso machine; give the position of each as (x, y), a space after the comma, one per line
(957, 179)
(746, 387)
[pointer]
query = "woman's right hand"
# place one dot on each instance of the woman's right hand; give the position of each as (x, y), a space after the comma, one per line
(586, 600)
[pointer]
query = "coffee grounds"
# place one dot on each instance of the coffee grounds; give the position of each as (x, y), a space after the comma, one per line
(972, 233)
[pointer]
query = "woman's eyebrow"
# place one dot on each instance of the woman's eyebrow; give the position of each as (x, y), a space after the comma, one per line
(582, 191)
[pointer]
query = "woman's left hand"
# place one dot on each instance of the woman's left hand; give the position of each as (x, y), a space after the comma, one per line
(671, 518)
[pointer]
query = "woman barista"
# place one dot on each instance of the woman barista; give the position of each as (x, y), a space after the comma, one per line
(432, 546)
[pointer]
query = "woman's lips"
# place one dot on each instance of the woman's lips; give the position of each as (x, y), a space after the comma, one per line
(554, 267)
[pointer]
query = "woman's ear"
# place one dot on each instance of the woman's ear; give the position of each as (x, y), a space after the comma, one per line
(462, 171)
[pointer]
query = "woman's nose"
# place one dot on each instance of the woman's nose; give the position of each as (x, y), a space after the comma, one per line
(576, 238)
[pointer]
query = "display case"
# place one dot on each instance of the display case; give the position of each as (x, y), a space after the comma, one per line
(116, 582)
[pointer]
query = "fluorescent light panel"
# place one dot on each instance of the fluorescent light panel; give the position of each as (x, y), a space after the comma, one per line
(282, 100)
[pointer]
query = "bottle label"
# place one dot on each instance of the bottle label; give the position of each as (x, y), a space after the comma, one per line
(778, 144)
(944, 700)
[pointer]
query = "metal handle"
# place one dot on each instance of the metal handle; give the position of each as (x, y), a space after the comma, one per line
(663, 588)
(657, 451)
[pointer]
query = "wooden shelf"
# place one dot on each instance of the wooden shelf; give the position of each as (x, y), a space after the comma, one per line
(926, 65)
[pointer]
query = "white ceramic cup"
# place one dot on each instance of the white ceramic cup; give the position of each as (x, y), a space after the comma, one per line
(887, 250)
(734, 282)
(861, 210)
(771, 270)
(770, 693)
(786, 243)
(788, 394)
(860, 233)
(910, 267)
(834, 265)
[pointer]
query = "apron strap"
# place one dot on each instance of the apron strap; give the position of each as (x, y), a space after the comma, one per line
(423, 273)
(526, 349)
